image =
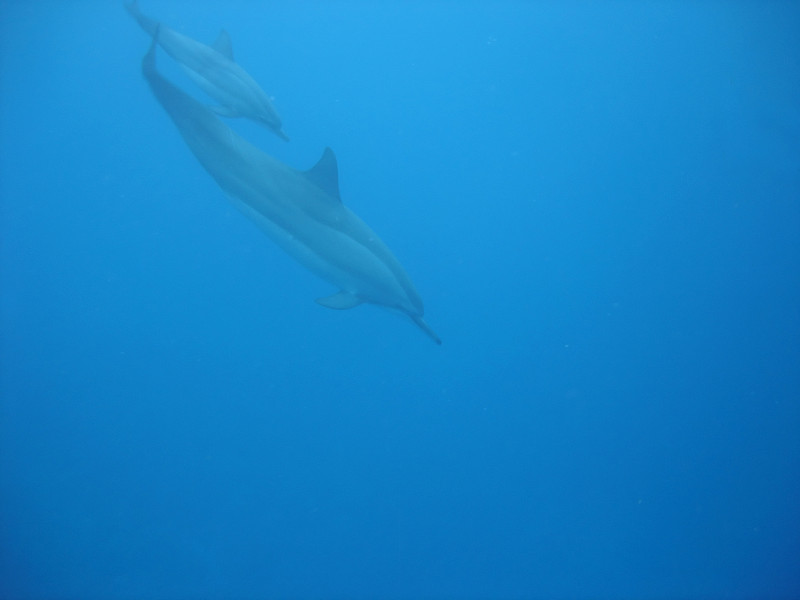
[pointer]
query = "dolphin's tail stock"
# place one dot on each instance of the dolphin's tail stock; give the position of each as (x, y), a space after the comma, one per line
(146, 23)
(184, 110)
(149, 60)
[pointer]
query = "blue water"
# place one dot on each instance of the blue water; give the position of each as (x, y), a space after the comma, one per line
(599, 203)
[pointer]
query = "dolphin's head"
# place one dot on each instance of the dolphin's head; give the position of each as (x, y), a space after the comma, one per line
(414, 313)
(279, 132)
(411, 304)
(413, 307)
(420, 322)
(267, 117)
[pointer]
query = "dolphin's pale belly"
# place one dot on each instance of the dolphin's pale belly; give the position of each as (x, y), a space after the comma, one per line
(336, 258)
(231, 89)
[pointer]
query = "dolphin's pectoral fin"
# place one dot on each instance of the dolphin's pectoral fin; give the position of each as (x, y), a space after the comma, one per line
(340, 301)
(223, 44)
(225, 111)
(325, 174)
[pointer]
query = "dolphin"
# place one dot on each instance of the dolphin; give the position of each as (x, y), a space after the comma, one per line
(214, 70)
(301, 211)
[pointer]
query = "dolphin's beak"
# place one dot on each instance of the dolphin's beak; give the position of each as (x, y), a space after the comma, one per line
(426, 328)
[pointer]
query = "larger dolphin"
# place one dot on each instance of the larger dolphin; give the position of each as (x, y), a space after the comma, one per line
(215, 71)
(300, 210)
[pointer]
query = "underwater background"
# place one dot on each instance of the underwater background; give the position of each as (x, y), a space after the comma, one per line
(599, 203)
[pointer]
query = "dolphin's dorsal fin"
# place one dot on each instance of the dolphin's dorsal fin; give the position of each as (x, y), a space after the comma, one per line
(325, 174)
(223, 44)
(340, 301)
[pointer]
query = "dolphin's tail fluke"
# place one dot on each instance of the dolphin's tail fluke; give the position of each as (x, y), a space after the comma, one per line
(146, 23)
(426, 328)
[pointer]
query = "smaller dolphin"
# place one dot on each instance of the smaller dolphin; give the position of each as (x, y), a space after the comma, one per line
(214, 70)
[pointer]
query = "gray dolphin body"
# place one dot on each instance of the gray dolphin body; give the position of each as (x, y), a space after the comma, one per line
(300, 210)
(214, 70)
